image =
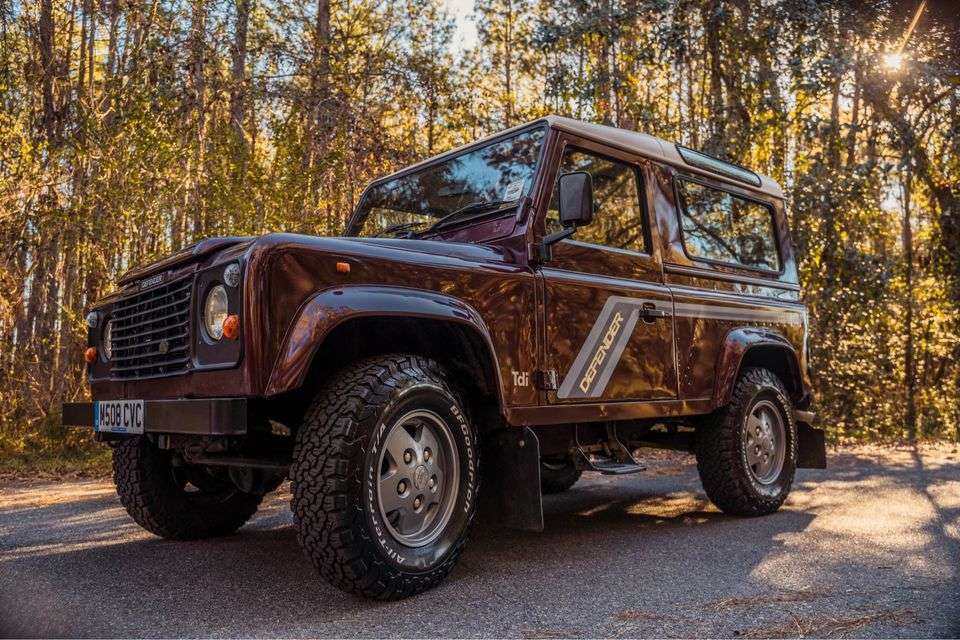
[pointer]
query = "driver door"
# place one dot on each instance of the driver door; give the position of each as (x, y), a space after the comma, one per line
(608, 317)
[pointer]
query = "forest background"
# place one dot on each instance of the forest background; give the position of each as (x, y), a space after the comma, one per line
(130, 128)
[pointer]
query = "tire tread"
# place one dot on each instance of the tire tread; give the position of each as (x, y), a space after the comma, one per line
(329, 528)
(148, 493)
(724, 479)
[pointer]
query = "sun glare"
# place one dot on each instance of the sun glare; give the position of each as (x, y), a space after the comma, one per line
(893, 61)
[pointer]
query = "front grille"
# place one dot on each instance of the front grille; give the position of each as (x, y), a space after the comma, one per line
(151, 332)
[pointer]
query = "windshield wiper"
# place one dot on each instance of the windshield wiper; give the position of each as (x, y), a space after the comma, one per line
(479, 205)
(401, 226)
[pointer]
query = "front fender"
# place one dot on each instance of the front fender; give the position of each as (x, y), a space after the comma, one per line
(736, 344)
(325, 310)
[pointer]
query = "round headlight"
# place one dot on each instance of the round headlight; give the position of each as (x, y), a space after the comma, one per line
(108, 340)
(214, 311)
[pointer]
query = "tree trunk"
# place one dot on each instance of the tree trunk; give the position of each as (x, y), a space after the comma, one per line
(855, 112)
(198, 96)
(909, 367)
(238, 86)
(508, 66)
(718, 116)
(46, 28)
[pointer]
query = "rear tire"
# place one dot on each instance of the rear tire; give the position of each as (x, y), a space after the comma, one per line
(747, 451)
(177, 502)
(385, 478)
(558, 475)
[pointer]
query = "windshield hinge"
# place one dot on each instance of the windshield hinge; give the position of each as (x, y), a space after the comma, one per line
(524, 208)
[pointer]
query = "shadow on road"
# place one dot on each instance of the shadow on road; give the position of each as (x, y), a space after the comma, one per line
(632, 556)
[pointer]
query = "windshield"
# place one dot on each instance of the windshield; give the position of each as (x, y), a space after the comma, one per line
(475, 183)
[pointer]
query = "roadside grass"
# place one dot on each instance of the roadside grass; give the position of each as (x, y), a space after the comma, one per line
(51, 464)
(51, 452)
(64, 454)
(47, 450)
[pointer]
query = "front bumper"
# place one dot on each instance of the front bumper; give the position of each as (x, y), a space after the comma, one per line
(206, 416)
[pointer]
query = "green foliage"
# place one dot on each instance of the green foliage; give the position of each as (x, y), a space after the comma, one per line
(128, 130)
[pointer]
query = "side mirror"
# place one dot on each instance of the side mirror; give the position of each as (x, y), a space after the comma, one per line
(575, 192)
(576, 199)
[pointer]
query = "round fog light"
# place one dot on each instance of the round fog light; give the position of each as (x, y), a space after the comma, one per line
(215, 311)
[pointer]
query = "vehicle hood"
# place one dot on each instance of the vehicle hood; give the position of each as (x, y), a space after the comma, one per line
(210, 250)
(396, 248)
(194, 253)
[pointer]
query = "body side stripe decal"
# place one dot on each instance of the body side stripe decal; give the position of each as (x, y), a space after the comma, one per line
(600, 353)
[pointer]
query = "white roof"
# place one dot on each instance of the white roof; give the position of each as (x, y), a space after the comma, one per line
(647, 146)
(631, 141)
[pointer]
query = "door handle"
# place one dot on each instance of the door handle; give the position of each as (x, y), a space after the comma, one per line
(650, 313)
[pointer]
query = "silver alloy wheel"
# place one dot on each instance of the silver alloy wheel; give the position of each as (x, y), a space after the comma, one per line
(765, 441)
(419, 478)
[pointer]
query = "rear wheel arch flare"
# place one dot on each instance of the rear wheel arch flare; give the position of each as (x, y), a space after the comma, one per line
(781, 360)
(749, 347)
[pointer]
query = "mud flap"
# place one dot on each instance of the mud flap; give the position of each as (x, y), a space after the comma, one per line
(811, 447)
(510, 490)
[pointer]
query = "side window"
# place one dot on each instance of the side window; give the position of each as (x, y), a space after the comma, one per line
(721, 226)
(618, 216)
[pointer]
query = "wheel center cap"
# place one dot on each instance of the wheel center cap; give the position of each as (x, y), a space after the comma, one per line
(420, 477)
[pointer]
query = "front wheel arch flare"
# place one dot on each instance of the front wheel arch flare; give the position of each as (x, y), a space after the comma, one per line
(331, 308)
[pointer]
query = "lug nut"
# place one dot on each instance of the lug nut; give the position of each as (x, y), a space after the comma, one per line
(407, 456)
(433, 482)
(417, 502)
(426, 454)
(402, 487)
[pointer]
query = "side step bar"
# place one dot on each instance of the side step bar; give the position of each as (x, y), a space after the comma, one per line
(608, 456)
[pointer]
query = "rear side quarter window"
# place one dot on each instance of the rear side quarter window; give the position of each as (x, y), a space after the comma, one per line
(719, 226)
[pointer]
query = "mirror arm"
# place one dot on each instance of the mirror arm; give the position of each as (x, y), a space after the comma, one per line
(545, 249)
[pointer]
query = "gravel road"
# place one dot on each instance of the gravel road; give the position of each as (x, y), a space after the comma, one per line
(869, 547)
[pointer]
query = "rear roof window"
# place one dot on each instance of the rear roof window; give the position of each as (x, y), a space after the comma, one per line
(728, 169)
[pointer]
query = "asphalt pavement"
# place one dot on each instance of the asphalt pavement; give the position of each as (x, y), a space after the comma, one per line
(867, 548)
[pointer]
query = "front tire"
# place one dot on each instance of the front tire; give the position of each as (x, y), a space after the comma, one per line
(179, 502)
(747, 451)
(385, 478)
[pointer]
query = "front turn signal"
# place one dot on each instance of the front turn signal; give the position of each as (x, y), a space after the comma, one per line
(231, 326)
(90, 355)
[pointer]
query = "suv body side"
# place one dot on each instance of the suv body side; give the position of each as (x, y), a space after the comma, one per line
(528, 322)
(719, 315)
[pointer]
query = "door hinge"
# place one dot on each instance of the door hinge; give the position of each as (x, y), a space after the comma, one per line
(537, 253)
(546, 380)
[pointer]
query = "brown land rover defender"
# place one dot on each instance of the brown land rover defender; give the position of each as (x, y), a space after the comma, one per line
(558, 296)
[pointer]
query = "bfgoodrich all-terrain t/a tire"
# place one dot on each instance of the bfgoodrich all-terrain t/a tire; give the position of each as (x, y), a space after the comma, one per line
(177, 502)
(385, 477)
(747, 451)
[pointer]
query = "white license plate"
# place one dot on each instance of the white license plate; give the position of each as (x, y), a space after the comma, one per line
(118, 416)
